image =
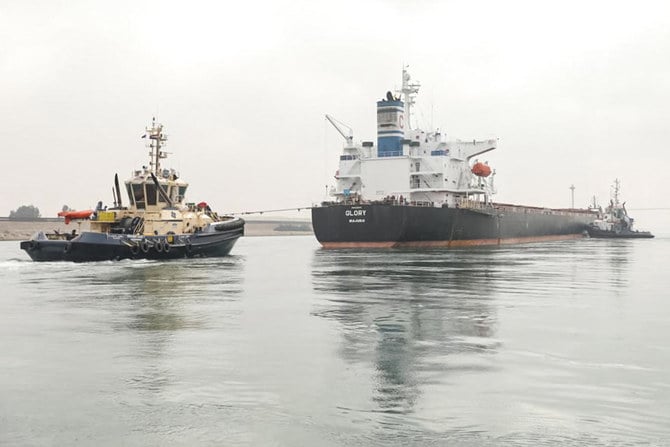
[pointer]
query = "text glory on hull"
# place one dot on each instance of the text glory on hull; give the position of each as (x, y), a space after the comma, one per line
(157, 224)
(417, 189)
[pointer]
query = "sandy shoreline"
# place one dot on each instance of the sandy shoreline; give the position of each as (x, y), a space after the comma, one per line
(20, 230)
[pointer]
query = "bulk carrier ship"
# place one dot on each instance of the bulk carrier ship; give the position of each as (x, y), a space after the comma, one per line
(416, 189)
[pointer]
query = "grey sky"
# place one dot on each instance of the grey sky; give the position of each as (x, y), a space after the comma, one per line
(576, 91)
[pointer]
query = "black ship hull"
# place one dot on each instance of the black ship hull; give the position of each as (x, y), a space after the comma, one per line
(91, 246)
(392, 225)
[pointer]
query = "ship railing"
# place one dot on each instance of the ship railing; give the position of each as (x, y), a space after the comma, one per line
(421, 203)
(390, 200)
(472, 204)
(349, 200)
(504, 207)
(390, 154)
(475, 205)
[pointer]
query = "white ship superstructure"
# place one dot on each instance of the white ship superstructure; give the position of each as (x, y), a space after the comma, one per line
(409, 164)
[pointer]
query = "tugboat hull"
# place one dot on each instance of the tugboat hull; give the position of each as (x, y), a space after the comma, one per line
(91, 246)
(608, 234)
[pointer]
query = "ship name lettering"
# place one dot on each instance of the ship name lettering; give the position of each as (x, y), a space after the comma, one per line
(355, 213)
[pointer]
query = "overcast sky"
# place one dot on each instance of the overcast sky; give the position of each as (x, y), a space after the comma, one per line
(576, 91)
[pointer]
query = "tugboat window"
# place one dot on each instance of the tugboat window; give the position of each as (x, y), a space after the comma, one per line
(138, 192)
(160, 196)
(130, 194)
(151, 194)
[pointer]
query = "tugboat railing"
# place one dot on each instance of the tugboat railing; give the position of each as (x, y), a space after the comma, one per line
(139, 229)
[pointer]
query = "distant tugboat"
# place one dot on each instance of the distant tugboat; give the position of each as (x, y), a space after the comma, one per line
(415, 188)
(614, 222)
(158, 224)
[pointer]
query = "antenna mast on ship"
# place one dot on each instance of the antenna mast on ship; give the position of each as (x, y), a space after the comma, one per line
(157, 139)
(617, 186)
(409, 91)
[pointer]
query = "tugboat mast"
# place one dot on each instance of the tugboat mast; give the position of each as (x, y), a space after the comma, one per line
(617, 186)
(157, 140)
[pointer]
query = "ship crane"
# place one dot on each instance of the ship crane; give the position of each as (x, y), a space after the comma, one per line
(338, 125)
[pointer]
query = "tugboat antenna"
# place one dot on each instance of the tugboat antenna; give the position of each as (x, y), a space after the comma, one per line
(156, 141)
(617, 186)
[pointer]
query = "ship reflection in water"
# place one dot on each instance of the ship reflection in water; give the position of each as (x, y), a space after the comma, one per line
(417, 315)
(154, 307)
(288, 344)
(165, 303)
(157, 295)
(451, 340)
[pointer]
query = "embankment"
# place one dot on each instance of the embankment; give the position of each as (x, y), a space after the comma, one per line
(12, 230)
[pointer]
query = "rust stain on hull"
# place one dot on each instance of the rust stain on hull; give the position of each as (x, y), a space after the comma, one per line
(453, 243)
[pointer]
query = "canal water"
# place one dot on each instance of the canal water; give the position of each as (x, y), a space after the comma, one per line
(283, 343)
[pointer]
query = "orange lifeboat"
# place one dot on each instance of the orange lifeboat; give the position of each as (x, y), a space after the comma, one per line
(70, 215)
(481, 170)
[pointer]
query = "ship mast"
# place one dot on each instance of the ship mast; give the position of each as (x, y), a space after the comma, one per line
(409, 91)
(156, 141)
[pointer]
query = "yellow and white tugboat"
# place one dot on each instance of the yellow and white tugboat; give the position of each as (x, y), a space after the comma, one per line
(158, 223)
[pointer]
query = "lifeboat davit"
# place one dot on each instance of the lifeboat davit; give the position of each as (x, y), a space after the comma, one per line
(481, 170)
(70, 215)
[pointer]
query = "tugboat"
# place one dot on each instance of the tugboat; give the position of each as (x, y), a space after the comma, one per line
(158, 223)
(415, 188)
(614, 222)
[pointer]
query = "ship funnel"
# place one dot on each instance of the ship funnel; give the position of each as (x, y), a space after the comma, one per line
(390, 126)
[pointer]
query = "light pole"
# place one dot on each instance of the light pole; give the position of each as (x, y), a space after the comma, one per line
(572, 191)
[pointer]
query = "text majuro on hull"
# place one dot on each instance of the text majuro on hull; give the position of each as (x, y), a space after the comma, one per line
(415, 188)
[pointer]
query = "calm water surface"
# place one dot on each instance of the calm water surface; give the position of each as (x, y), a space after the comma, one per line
(286, 344)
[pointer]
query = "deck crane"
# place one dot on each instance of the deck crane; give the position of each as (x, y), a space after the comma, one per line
(338, 125)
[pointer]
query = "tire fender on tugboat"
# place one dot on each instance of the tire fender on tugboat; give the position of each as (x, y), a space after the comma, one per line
(134, 249)
(144, 245)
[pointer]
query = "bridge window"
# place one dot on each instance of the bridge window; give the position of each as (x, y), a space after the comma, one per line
(151, 194)
(130, 194)
(138, 194)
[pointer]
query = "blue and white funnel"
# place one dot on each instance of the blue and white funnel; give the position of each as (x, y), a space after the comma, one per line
(390, 126)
